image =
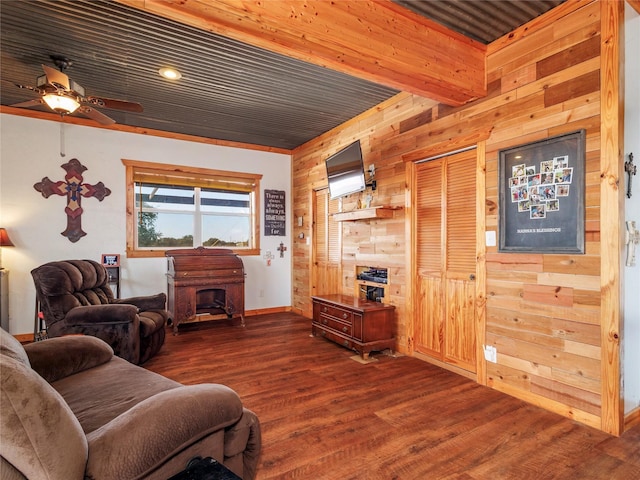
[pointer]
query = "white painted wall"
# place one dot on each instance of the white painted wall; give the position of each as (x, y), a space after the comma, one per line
(29, 151)
(631, 283)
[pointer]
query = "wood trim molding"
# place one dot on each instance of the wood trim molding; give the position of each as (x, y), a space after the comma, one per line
(538, 23)
(635, 4)
(53, 117)
(449, 140)
(311, 249)
(611, 211)
(24, 338)
(410, 246)
(265, 311)
(548, 404)
(632, 419)
(161, 168)
(207, 172)
(446, 366)
(481, 267)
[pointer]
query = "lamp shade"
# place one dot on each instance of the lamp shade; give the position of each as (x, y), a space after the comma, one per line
(61, 104)
(5, 241)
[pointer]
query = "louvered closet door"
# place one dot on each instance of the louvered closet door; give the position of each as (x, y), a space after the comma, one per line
(327, 246)
(429, 328)
(446, 258)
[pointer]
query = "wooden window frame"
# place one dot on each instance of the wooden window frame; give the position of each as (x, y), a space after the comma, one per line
(199, 177)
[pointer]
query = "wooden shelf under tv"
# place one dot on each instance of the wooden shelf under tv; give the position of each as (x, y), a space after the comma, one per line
(365, 214)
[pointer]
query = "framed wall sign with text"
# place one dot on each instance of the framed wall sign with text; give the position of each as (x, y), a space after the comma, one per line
(275, 213)
(542, 188)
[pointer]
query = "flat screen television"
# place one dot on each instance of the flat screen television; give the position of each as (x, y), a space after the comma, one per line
(345, 171)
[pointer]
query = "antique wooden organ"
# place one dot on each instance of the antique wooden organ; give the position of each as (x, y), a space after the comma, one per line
(204, 284)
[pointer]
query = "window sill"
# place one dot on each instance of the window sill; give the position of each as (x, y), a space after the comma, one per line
(161, 253)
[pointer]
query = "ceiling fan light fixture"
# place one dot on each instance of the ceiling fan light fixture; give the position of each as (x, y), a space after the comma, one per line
(170, 73)
(62, 104)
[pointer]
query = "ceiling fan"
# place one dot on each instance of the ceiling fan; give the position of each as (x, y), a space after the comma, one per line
(64, 96)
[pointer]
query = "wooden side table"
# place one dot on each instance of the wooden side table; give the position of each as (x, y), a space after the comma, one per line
(354, 323)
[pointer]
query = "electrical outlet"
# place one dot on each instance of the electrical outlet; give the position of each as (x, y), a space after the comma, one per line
(490, 237)
(490, 353)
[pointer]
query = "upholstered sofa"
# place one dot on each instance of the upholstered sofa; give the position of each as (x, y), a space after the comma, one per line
(71, 410)
(75, 298)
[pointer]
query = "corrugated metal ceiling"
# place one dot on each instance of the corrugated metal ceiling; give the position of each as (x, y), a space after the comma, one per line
(481, 20)
(229, 90)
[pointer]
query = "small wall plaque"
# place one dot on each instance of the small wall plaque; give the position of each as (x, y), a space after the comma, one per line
(111, 259)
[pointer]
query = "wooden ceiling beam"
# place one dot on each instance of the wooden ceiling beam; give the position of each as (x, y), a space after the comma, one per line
(376, 40)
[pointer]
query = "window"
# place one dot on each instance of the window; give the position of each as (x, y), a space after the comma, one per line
(171, 206)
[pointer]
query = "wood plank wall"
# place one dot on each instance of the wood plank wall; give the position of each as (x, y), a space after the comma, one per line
(543, 81)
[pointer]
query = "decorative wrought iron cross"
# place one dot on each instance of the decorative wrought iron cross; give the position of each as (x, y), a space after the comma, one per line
(73, 188)
(282, 249)
(630, 168)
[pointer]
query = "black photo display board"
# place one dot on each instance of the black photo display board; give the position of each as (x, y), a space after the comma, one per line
(542, 196)
(274, 213)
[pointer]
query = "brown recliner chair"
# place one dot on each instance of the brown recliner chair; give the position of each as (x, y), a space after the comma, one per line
(75, 298)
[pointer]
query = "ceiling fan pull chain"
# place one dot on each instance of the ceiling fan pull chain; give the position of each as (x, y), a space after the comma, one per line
(62, 148)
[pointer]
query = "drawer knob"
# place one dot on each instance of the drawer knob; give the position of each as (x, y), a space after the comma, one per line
(324, 321)
(324, 309)
(323, 333)
(346, 343)
(344, 329)
(344, 315)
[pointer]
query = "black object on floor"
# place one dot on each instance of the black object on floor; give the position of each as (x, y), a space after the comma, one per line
(205, 469)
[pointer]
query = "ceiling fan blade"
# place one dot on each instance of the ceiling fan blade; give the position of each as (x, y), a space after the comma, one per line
(115, 104)
(56, 78)
(29, 103)
(94, 114)
(28, 87)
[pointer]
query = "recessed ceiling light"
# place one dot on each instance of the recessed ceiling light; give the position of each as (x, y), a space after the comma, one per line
(170, 73)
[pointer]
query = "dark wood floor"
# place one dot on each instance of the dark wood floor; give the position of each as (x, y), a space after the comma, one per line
(326, 416)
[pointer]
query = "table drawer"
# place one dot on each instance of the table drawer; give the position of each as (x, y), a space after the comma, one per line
(334, 324)
(334, 337)
(336, 312)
